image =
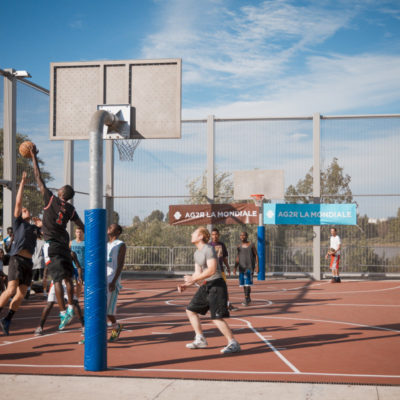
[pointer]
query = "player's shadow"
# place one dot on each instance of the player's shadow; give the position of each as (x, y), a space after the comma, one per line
(181, 360)
(19, 356)
(387, 327)
(300, 342)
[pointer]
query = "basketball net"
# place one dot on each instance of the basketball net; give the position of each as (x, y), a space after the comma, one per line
(126, 148)
(258, 199)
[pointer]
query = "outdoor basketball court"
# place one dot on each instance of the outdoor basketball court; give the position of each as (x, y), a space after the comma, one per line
(294, 331)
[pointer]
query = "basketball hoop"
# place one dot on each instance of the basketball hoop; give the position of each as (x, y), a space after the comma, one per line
(258, 199)
(126, 148)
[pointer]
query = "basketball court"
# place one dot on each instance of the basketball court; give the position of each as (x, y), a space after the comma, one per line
(294, 331)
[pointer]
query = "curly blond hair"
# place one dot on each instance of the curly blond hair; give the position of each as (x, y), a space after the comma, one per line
(206, 234)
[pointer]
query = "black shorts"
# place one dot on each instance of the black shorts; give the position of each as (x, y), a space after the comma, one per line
(211, 296)
(60, 266)
(20, 268)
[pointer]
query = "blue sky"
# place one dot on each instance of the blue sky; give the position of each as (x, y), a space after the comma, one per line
(240, 58)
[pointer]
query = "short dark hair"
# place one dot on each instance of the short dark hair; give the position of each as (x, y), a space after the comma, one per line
(117, 228)
(68, 192)
(215, 230)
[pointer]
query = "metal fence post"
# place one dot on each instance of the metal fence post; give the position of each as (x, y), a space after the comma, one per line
(210, 161)
(69, 172)
(316, 194)
(9, 141)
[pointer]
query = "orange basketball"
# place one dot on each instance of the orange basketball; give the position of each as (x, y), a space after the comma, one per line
(25, 148)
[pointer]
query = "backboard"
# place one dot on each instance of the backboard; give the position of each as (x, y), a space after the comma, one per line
(270, 183)
(151, 87)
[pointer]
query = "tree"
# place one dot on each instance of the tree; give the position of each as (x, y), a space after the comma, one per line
(223, 189)
(335, 186)
(32, 196)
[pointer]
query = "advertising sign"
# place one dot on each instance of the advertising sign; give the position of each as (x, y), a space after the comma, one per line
(202, 214)
(310, 214)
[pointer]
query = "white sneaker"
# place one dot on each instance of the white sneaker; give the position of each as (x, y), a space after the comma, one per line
(39, 331)
(198, 343)
(233, 347)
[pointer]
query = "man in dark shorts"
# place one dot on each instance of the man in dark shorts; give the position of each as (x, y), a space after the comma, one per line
(56, 214)
(20, 264)
(222, 257)
(247, 261)
(212, 294)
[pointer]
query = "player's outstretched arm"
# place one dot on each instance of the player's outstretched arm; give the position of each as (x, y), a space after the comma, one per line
(18, 199)
(36, 170)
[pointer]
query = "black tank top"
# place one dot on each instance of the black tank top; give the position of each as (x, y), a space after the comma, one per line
(246, 258)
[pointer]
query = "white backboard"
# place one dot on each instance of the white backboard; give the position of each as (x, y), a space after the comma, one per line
(151, 87)
(270, 183)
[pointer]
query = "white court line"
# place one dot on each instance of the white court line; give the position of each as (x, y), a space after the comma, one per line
(365, 305)
(269, 344)
(379, 328)
(204, 371)
(355, 291)
(267, 303)
(6, 343)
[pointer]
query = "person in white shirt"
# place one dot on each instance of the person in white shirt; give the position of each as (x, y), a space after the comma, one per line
(116, 250)
(334, 254)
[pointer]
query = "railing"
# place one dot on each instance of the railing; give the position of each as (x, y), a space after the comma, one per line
(280, 260)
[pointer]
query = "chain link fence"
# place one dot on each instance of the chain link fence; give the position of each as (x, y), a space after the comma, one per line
(360, 151)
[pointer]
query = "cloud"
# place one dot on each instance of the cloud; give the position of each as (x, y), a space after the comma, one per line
(77, 23)
(220, 45)
(268, 58)
(333, 84)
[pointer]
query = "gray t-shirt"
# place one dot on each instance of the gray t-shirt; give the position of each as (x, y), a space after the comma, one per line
(201, 256)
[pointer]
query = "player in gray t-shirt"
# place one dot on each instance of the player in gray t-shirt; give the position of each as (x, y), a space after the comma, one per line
(212, 294)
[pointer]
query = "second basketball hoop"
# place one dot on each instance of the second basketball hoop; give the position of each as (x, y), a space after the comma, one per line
(258, 199)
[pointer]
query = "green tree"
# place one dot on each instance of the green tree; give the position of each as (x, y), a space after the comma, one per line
(223, 189)
(32, 196)
(335, 186)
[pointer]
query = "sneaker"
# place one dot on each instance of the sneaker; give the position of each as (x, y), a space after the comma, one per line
(66, 318)
(231, 307)
(115, 333)
(81, 341)
(233, 347)
(198, 343)
(5, 326)
(39, 331)
(338, 280)
(246, 303)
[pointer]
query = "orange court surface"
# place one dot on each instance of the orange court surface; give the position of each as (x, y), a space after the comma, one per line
(293, 331)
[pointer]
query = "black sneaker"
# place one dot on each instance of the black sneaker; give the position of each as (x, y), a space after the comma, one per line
(5, 326)
(337, 279)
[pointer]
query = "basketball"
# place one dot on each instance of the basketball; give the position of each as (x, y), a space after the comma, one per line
(25, 148)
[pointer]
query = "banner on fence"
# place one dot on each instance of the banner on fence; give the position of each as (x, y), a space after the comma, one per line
(202, 214)
(310, 214)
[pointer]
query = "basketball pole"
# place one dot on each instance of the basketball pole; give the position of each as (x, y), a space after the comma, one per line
(95, 358)
(261, 245)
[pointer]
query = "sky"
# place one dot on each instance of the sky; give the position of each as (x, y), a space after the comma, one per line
(239, 58)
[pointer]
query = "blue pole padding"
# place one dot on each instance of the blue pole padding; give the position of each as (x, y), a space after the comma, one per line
(261, 252)
(95, 290)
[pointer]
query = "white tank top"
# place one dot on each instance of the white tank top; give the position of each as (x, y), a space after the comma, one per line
(112, 258)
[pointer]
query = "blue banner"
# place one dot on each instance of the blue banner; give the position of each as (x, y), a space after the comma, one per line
(310, 214)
